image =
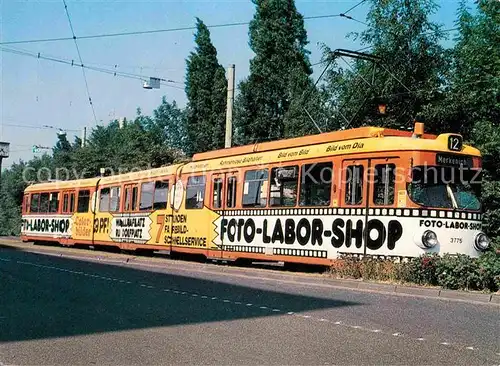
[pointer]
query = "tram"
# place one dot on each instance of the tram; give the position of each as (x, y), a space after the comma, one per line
(366, 191)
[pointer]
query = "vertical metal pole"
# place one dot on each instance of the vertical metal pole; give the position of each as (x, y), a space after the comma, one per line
(84, 137)
(229, 111)
(1, 175)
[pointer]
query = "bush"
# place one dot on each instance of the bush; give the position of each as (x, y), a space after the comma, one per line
(458, 272)
(366, 268)
(449, 271)
(489, 271)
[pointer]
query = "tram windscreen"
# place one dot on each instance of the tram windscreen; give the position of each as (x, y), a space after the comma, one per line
(446, 187)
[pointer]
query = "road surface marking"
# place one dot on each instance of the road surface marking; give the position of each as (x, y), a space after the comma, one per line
(397, 334)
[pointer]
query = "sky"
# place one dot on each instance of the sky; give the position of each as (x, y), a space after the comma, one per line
(36, 92)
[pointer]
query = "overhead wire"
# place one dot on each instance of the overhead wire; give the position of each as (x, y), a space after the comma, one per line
(81, 61)
(167, 30)
(44, 127)
(165, 82)
(354, 6)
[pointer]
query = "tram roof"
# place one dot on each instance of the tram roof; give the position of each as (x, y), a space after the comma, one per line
(373, 138)
(328, 137)
(58, 185)
(92, 182)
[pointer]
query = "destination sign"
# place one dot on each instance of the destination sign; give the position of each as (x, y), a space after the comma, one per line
(454, 160)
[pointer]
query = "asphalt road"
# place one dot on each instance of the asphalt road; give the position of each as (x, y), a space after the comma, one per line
(71, 311)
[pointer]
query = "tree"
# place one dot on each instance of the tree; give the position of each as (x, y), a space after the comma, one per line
(473, 99)
(269, 105)
(206, 88)
(169, 126)
(409, 76)
(62, 152)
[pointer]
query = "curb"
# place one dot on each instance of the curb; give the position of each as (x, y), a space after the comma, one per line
(267, 274)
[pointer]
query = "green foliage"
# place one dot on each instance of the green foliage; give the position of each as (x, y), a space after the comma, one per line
(270, 104)
(410, 72)
(145, 142)
(206, 89)
(474, 97)
(456, 272)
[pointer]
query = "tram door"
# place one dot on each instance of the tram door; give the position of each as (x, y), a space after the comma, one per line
(369, 192)
(67, 209)
(218, 200)
(354, 201)
(383, 197)
(223, 195)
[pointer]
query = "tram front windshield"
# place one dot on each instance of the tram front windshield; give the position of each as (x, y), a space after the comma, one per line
(445, 187)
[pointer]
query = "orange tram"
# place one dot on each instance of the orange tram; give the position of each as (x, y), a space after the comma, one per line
(367, 191)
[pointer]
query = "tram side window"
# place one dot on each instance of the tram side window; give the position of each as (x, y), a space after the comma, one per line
(35, 202)
(383, 189)
(131, 196)
(147, 195)
(195, 192)
(354, 185)
(284, 184)
(135, 197)
(255, 188)
(83, 201)
(65, 203)
(161, 195)
(114, 200)
(217, 194)
(104, 196)
(54, 202)
(231, 192)
(316, 184)
(71, 203)
(44, 202)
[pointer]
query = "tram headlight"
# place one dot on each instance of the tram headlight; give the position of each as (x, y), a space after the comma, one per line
(482, 242)
(429, 239)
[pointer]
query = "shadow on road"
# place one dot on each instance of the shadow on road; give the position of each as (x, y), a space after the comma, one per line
(40, 299)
